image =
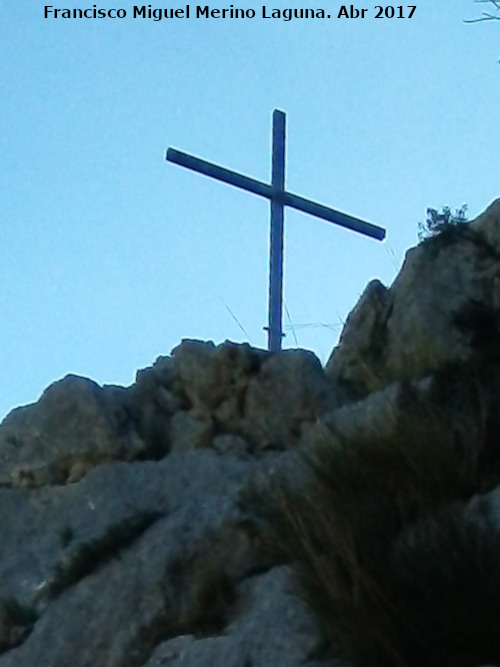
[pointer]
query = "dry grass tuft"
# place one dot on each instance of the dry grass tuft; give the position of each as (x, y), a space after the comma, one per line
(384, 557)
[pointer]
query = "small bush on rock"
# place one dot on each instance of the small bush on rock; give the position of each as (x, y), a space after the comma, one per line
(438, 222)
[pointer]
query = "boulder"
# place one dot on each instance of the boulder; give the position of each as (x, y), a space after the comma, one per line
(75, 426)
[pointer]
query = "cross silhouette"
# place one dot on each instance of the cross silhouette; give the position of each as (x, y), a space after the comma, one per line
(279, 198)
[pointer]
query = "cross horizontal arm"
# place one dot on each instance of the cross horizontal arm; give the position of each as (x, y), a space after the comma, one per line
(266, 190)
(220, 173)
(331, 215)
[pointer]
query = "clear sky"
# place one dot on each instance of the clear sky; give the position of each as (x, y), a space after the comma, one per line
(110, 256)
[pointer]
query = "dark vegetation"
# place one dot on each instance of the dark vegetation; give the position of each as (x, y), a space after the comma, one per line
(439, 222)
(16, 622)
(397, 572)
(202, 595)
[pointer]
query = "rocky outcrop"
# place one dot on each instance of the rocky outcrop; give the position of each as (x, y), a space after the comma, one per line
(441, 310)
(128, 536)
(75, 425)
(125, 539)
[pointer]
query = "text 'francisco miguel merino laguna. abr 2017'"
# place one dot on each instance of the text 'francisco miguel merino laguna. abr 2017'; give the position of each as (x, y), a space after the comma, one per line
(231, 12)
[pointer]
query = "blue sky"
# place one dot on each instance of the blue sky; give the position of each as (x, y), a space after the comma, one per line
(110, 255)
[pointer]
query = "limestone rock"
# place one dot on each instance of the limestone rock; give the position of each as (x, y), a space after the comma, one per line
(187, 432)
(441, 310)
(379, 413)
(75, 426)
(271, 627)
(289, 392)
(267, 399)
(488, 224)
(132, 556)
(356, 364)
(129, 537)
(152, 401)
(232, 445)
(210, 376)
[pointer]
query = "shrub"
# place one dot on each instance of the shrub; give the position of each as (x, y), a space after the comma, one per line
(441, 221)
(384, 558)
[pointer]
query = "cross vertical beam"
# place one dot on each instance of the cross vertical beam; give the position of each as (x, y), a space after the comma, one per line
(279, 198)
(275, 332)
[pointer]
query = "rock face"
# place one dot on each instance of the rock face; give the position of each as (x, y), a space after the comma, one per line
(127, 539)
(439, 311)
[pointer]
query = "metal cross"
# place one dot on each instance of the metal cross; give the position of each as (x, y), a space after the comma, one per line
(279, 198)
